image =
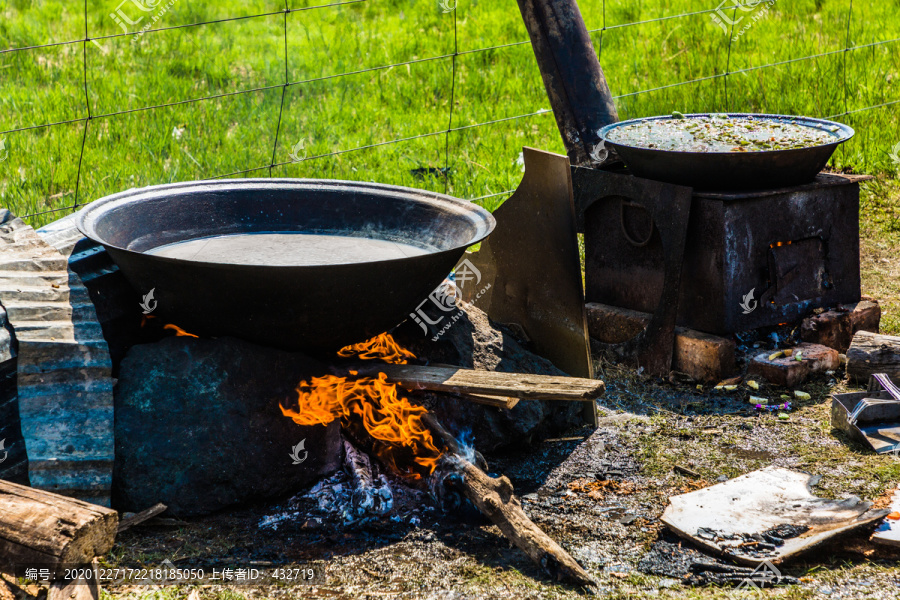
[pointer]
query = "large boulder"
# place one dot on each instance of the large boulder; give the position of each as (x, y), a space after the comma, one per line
(198, 426)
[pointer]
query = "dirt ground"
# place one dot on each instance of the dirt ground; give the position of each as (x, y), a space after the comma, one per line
(599, 493)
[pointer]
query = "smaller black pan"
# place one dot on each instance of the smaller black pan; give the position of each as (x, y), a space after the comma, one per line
(732, 170)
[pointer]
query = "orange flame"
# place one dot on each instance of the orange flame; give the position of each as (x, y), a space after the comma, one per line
(179, 331)
(381, 347)
(401, 440)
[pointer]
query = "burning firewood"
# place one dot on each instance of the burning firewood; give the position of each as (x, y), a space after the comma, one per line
(452, 444)
(402, 436)
(494, 497)
(371, 492)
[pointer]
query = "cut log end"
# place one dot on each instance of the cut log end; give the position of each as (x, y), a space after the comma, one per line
(46, 528)
(871, 353)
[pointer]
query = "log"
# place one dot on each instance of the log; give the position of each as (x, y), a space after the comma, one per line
(38, 527)
(492, 383)
(494, 497)
(871, 353)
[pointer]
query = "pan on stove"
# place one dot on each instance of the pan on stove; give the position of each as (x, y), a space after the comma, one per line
(731, 170)
(291, 263)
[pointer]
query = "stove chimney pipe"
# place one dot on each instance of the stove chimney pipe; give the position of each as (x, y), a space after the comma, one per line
(576, 86)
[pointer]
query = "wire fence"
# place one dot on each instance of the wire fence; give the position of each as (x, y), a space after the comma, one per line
(728, 16)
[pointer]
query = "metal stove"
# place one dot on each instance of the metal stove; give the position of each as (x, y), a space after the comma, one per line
(751, 258)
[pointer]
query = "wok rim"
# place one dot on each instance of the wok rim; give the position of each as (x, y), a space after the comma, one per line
(847, 131)
(87, 217)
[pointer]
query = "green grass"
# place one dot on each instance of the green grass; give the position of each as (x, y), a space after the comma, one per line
(335, 108)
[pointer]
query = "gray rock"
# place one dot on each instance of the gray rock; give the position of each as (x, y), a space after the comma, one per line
(199, 428)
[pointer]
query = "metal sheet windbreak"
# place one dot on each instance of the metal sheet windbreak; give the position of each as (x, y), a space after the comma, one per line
(64, 383)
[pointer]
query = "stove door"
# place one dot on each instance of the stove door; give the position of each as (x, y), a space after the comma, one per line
(798, 271)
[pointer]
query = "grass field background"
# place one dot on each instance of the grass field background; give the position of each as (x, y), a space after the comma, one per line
(344, 107)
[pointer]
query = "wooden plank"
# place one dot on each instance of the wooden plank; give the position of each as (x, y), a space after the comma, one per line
(64, 383)
(504, 402)
(46, 528)
(144, 515)
(493, 383)
(872, 353)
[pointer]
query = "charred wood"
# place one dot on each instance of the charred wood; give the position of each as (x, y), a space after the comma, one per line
(371, 492)
(453, 446)
(494, 498)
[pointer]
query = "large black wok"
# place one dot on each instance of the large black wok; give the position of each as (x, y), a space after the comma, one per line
(314, 307)
(731, 170)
